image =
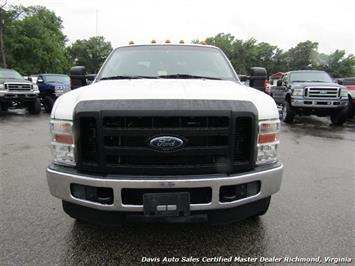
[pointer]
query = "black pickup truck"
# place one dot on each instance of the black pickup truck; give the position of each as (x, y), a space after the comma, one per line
(16, 92)
(307, 92)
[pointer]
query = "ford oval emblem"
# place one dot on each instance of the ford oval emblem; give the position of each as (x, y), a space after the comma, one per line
(166, 143)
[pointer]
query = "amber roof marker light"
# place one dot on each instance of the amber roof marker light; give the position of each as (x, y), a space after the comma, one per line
(131, 42)
(181, 41)
(203, 42)
(167, 41)
(153, 41)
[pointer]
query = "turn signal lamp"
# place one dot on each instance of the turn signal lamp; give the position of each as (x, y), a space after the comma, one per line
(167, 41)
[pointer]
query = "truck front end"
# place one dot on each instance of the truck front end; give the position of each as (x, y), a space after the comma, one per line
(168, 147)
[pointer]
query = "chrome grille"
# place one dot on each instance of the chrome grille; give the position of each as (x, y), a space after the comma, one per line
(319, 92)
(18, 86)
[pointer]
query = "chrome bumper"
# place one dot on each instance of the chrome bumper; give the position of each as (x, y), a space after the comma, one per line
(319, 103)
(13, 94)
(59, 186)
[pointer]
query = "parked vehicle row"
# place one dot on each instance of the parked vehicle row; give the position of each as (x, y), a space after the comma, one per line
(31, 92)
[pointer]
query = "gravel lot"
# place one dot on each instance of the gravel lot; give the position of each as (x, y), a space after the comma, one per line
(312, 215)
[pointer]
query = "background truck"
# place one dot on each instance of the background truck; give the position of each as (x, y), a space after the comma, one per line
(51, 86)
(17, 92)
(165, 133)
(349, 83)
(306, 92)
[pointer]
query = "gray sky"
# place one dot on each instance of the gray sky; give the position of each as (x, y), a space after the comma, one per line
(280, 22)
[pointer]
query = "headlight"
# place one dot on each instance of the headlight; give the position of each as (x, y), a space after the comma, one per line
(35, 88)
(297, 92)
(343, 92)
(63, 148)
(268, 141)
(2, 86)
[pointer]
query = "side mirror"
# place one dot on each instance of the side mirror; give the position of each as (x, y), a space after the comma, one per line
(258, 75)
(40, 80)
(340, 81)
(279, 83)
(243, 78)
(77, 77)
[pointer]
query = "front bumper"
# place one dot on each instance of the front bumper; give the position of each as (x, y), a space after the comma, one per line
(59, 182)
(319, 102)
(18, 94)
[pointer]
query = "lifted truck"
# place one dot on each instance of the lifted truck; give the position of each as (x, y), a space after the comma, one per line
(17, 92)
(165, 133)
(307, 92)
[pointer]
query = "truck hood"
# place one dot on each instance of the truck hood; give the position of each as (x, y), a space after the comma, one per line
(316, 84)
(179, 89)
(2, 81)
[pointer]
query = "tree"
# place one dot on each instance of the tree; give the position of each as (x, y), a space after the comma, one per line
(303, 56)
(338, 64)
(35, 42)
(90, 53)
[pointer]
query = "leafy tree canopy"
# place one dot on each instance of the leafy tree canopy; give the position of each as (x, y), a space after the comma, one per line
(90, 53)
(34, 41)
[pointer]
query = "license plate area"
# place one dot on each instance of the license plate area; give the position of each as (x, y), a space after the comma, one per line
(166, 204)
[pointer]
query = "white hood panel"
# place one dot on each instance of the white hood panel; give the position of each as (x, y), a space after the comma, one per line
(141, 89)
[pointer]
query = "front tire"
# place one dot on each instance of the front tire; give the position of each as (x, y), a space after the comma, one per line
(339, 118)
(4, 107)
(48, 103)
(287, 114)
(34, 107)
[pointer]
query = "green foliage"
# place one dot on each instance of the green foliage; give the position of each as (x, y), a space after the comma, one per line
(90, 53)
(34, 41)
(249, 53)
(338, 64)
(303, 56)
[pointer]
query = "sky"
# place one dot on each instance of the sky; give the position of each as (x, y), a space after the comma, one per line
(279, 22)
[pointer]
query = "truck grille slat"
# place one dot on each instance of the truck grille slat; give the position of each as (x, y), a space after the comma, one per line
(319, 92)
(18, 86)
(120, 144)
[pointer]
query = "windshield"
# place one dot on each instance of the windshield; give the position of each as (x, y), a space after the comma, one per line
(310, 76)
(57, 79)
(9, 74)
(167, 61)
(349, 81)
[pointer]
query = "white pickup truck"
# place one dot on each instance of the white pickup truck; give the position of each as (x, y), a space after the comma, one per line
(164, 133)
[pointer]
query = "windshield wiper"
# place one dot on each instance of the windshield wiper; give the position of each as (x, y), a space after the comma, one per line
(186, 76)
(128, 77)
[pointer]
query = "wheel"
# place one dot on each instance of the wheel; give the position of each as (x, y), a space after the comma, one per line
(4, 107)
(351, 108)
(287, 114)
(48, 102)
(339, 118)
(34, 107)
(267, 204)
